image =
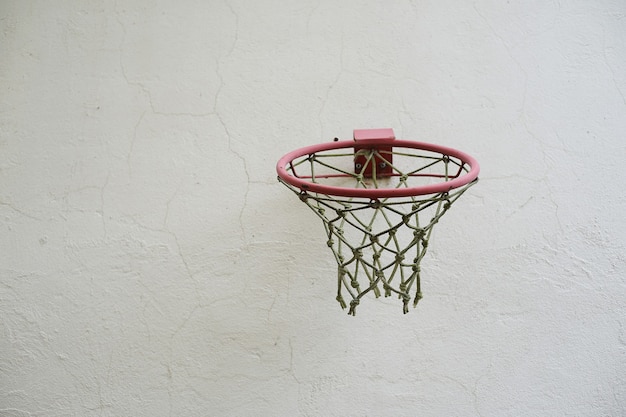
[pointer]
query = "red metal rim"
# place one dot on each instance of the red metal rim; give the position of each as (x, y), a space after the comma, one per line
(375, 193)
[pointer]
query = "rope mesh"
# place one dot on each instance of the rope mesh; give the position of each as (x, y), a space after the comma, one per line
(378, 244)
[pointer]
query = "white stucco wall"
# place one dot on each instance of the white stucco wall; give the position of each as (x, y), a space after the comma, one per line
(151, 265)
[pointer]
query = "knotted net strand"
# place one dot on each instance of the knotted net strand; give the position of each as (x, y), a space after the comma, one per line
(378, 243)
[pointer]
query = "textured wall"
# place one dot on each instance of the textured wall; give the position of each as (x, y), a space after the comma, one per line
(151, 265)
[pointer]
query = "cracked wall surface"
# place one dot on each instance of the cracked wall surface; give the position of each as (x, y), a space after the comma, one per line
(151, 265)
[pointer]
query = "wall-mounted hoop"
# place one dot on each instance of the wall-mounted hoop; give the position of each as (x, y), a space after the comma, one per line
(379, 199)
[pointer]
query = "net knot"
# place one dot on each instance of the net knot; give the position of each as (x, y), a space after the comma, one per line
(405, 303)
(376, 291)
(330, 242)
(387, 289)
(341, 301)
(418, 297)
(375, 204)
(448, 203)
(303, 196)
(353, 304)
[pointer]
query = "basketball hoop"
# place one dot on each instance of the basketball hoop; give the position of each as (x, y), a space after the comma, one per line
(379, 199)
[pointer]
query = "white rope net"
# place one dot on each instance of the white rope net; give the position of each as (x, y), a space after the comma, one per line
(378, 244)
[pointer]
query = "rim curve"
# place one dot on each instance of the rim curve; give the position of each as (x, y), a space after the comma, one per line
(374, 193)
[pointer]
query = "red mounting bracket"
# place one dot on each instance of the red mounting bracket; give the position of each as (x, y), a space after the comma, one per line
(380, 162)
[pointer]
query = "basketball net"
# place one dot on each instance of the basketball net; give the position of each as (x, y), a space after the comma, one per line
(379, 244)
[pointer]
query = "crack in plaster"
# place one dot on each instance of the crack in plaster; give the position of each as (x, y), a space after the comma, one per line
(507, 48)
(167, 204)
(20, 212)
(169, 386)
(230, 51)
(310, 16)
(132, 144)
(102, 405)
(142, 87)
(186, 265)
(147, 93)
(291, 370)
(14, 411)
(405, 110)
(236, 39)
(179, 251)
(108, 375)
(519, 207)
(170, 374)
(247, 174)
(155, 304)
(621, 337)
(184, 323)
(474, 390)
(610, 67)
(102, 191)
(333, 84)
(216, 112)
(269, 310)
(523, 117)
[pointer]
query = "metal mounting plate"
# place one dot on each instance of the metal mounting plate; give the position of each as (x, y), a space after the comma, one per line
(380, 163)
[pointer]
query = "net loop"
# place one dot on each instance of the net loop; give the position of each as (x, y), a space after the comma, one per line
(375, 203)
